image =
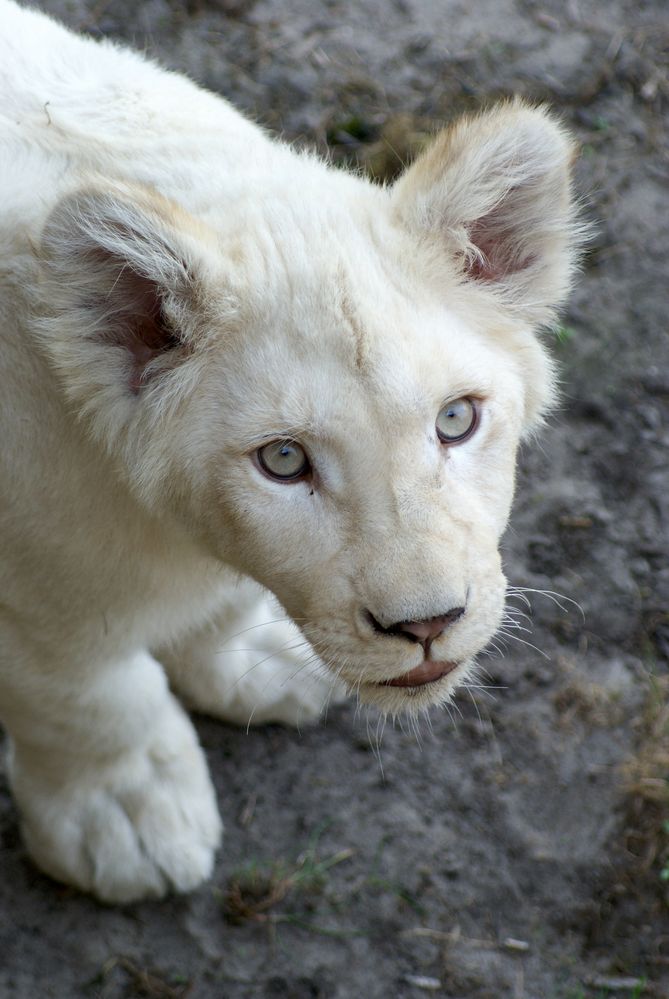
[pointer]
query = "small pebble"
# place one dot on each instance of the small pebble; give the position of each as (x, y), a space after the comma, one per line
(422, 982)
(519, 945)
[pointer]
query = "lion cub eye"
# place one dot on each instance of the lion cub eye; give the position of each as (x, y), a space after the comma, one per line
(456, 421)
(283, 460)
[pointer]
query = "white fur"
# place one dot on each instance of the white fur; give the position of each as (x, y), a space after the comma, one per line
(303, 302)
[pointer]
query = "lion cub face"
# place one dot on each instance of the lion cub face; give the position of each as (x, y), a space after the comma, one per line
(327, 382)
(372, 438)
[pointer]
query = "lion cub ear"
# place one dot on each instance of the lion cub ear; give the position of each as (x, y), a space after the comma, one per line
(122, 272)
(496, 191)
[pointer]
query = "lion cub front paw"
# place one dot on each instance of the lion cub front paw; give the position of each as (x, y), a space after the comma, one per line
(261, 671)
(139, 828)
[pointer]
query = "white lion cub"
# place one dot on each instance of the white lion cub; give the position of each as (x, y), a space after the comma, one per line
(223, 360)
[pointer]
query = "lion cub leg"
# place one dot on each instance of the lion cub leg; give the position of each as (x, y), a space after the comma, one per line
(251, 665)
(111, 783)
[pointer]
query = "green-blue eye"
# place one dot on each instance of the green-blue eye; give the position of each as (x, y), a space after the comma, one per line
(456, 421)
(284, 460)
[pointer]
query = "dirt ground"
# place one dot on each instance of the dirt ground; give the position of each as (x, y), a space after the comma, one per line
(520, 848)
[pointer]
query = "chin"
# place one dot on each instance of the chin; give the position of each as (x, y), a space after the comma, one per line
(412, 700)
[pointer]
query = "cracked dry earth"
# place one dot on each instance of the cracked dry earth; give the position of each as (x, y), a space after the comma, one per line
(516, 848)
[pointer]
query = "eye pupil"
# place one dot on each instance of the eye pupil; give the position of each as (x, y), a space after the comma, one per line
(456, 421)
(283, 460)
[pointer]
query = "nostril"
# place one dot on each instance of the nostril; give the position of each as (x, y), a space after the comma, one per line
(419, 631)
(432, 627)
(376, 625)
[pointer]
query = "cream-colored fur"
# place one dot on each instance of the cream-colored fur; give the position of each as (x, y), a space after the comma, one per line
(176, 290)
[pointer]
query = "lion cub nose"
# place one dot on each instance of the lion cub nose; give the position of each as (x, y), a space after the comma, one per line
(420, 631)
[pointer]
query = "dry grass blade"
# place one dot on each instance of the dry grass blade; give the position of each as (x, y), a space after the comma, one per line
(147, 984)
(647, 776)
(256, 889)
(250, 901)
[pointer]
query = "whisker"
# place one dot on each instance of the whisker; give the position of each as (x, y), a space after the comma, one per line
(552, 595)
(516, 612)
(523, 641)
(515, 626)
(511, 591)
(475, 703)
(484, 686)
(252, 627)
(493, 644)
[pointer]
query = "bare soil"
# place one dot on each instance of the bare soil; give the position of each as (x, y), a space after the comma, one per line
(517, 848)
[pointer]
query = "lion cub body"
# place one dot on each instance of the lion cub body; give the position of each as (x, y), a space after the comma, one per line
(178, 292)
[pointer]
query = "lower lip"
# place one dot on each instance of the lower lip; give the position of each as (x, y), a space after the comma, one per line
(427, 672)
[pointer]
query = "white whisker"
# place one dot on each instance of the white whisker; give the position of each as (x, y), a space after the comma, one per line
(523, 641)
(556, 598)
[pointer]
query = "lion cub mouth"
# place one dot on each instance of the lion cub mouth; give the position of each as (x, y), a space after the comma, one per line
(428, 672)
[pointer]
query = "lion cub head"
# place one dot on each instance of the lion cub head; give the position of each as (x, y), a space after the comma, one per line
(326, 381)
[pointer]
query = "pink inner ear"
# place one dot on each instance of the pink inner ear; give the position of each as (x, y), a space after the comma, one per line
(142, 327)
(482, 268)
(496, 235)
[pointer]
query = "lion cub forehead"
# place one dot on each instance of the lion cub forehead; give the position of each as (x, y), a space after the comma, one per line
(338, 308)
(313, 259)
(367, 363)
(403, 342)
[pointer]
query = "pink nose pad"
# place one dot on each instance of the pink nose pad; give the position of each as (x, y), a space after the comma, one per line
(423, 632)
(427, 631)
